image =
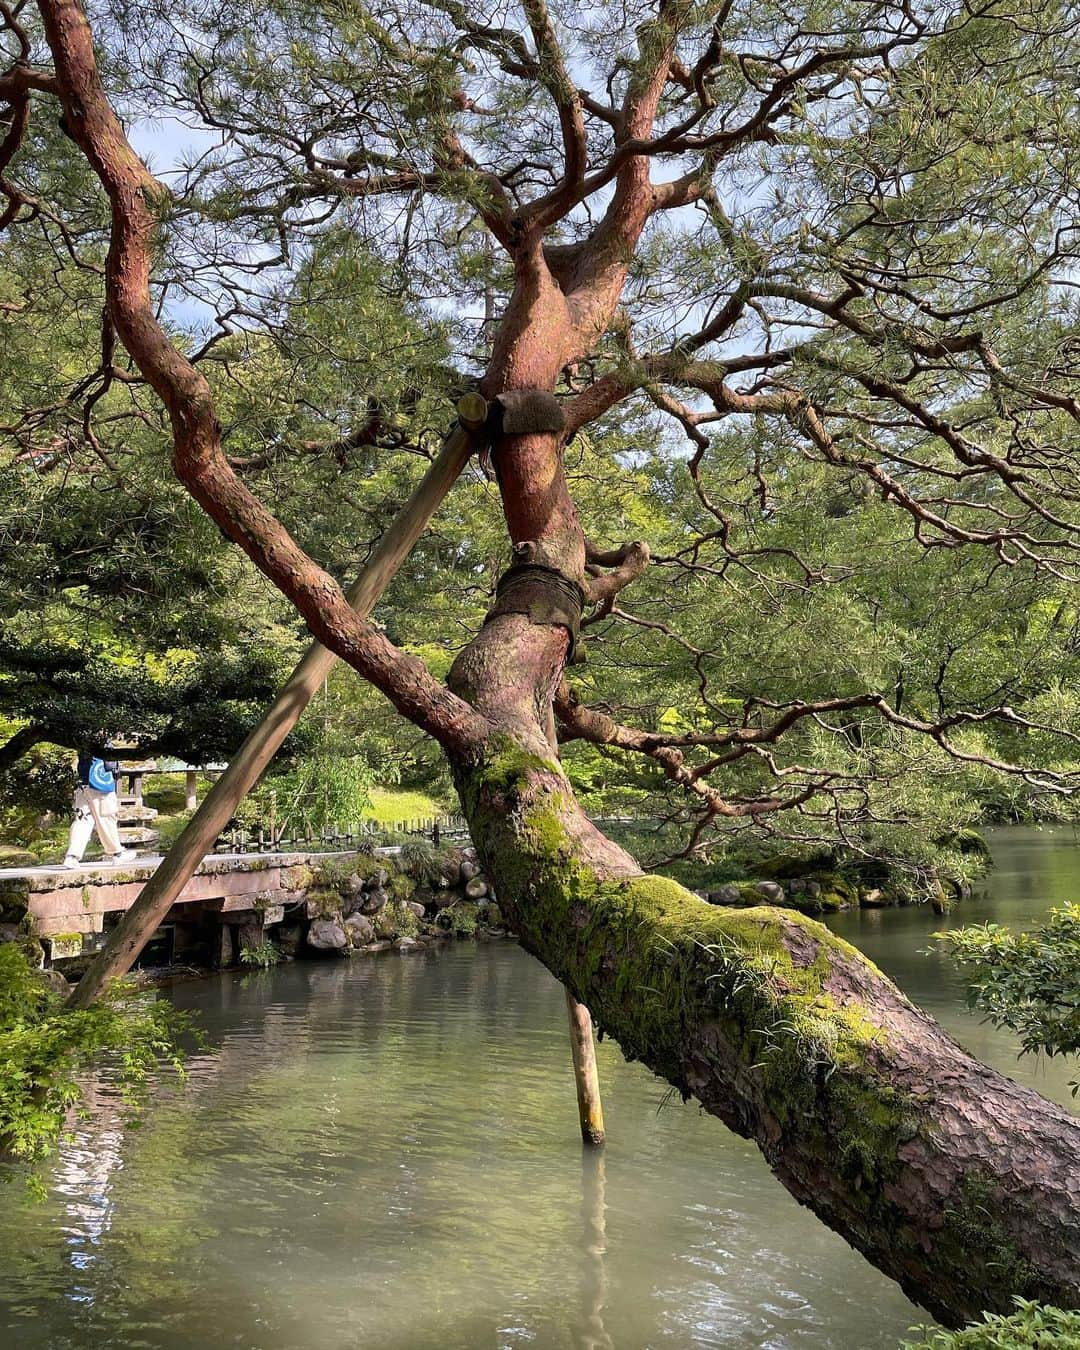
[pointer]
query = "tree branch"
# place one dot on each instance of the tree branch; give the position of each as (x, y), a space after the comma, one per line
(23, 740)
(135, 197)
(627, 562)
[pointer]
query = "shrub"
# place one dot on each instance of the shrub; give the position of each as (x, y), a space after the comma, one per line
(263, 954)
(1027, 982)
(1033, 1326)
(401, 886)
(33, 790)
(323, 790)
(419, 858)
(463, 919)
(397, 920)
(44, 1049)
(336, 874)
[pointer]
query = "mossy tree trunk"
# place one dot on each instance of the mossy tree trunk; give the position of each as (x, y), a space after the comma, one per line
(953, 1180)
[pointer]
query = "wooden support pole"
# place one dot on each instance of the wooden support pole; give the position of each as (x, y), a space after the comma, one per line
(587, 1080)
(248, 764)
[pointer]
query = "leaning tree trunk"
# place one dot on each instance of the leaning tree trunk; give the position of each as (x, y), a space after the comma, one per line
(952, 1179)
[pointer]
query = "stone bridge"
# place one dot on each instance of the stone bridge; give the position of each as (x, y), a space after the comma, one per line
(231, 898)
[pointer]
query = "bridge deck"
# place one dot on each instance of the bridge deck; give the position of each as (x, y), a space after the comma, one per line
(147, 865)
(67, 907)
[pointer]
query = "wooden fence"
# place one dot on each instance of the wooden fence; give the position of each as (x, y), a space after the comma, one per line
(298, 836)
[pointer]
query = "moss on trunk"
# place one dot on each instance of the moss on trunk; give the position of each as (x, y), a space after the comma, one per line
(952, 1179)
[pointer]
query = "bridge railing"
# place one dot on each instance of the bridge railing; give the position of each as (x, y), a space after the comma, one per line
(300, 836)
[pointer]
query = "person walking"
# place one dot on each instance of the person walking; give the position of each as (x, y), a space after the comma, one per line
(97, 807)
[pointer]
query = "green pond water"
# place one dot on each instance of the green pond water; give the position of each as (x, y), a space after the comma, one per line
(383, 1152)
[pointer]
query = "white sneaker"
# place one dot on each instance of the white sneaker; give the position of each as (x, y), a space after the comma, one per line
(71, 862)
(125, 855)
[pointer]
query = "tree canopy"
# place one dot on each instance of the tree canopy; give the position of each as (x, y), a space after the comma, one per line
(851, 294)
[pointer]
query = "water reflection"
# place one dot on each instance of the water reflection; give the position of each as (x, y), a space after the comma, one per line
(594, 1245)
(386, 1153)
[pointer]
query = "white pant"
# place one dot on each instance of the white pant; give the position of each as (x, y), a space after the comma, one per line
(94, 810)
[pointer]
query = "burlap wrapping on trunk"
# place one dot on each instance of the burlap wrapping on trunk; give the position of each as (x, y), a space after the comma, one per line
(544, 595)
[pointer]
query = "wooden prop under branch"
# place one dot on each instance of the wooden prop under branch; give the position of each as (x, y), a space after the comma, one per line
(249, 763)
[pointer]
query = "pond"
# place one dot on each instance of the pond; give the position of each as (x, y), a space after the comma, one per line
(383, 1152)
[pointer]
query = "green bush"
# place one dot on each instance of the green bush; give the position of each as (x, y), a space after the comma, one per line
(419, 858)
(1032, 1327)
(336, 874)
(463, 919)
(1027, 982)
(34, 789)
(397, 920)
(401, 886)
(321, 791)
(264, 955)
(44, 1050)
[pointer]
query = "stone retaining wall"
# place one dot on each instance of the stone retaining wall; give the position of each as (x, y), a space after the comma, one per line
(287, 904)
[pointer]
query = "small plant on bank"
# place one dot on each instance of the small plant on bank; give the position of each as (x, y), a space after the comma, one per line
(463, 920)
(419, 858)
(336, 874)
(1033, 1326)
(1027, 982)
(400, 920)
(401, 886)
(264, 955)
